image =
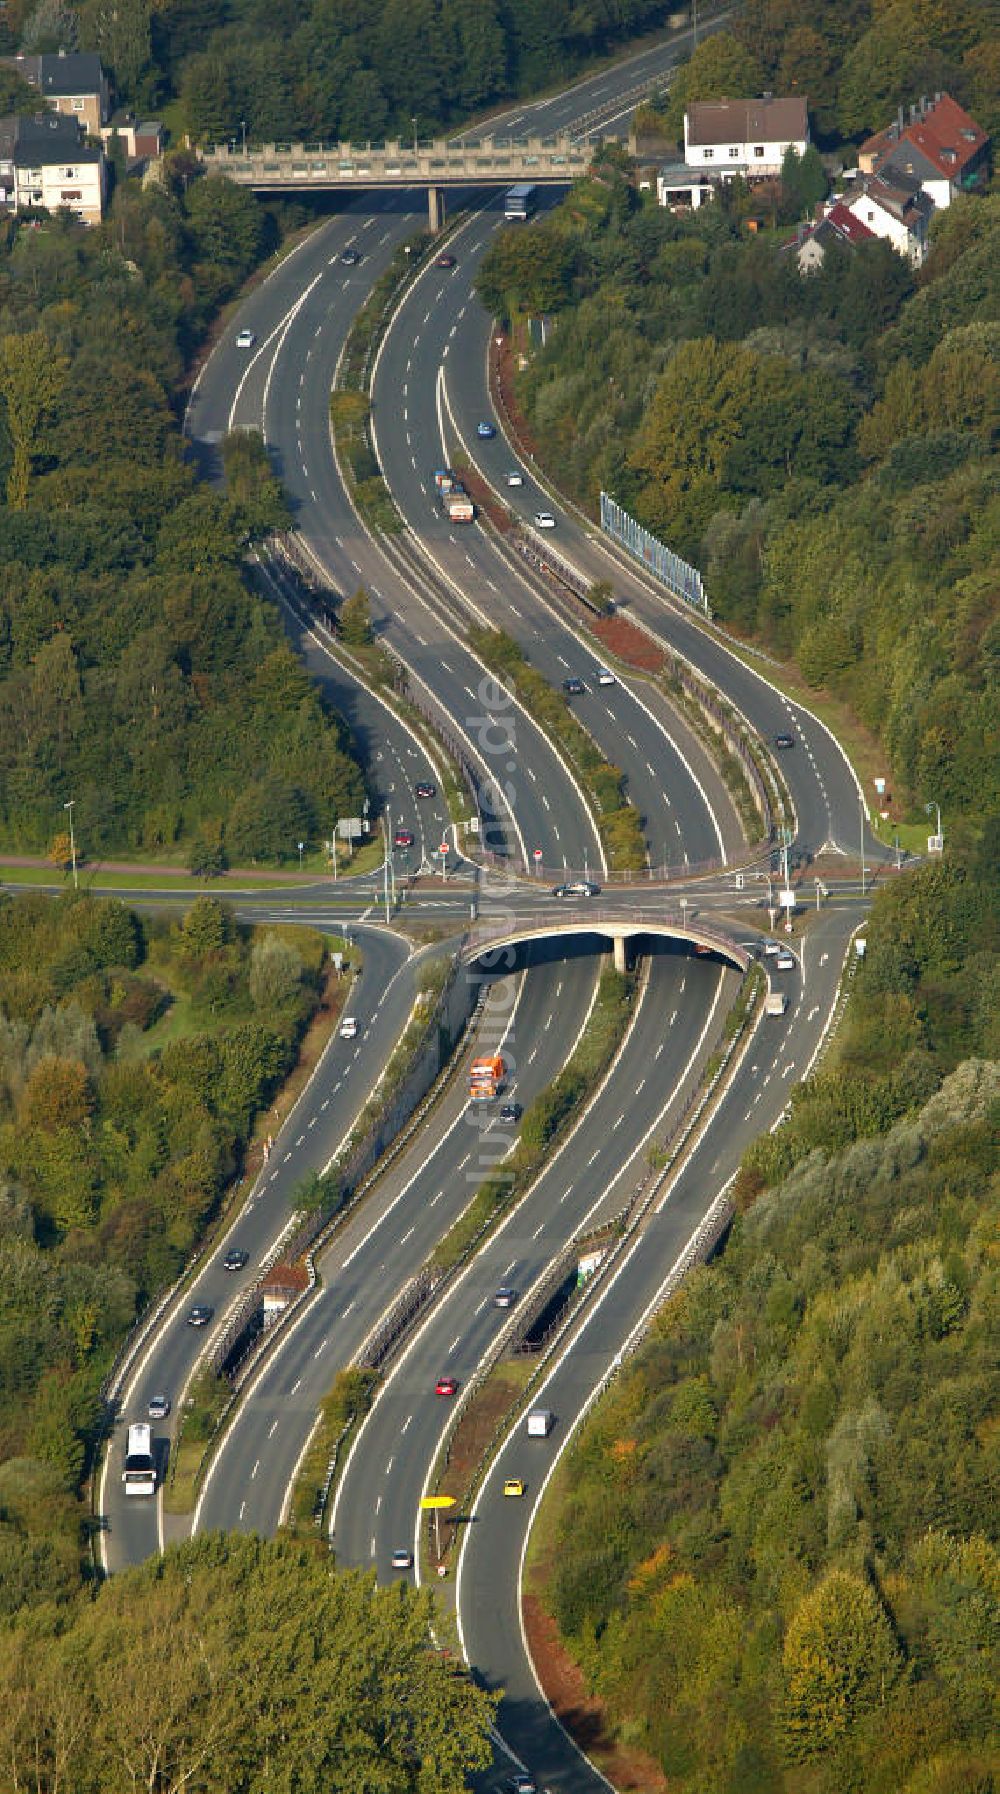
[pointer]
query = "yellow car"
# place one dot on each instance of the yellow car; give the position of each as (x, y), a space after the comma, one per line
(513, 1485)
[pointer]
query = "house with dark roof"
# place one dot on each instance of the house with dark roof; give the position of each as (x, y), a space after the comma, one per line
(724, 138)
(45, 164)
(72, 82)
(941, 147)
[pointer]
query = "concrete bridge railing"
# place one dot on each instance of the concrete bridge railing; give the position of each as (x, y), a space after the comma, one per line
(616, 925)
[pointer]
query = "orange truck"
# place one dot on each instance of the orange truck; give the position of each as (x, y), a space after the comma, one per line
(486, 1077)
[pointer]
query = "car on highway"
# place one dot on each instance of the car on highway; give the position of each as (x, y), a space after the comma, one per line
(505, 1296)
(785, 962)
(349, 1028)
(515, 477)
(245, 339)
(158, 1407)
(350, 258)
(605, 676)
(403, 838)
(445, 261)
(513, 1485)
(235, 1259)
(784, 740)
(578, 887)
(510, 1112)
(446, 1386)
(199, 1315)
(402, 1560)
(573, 686)
(486, 431)
(544, 520)
(521, 1784)
(424, 788)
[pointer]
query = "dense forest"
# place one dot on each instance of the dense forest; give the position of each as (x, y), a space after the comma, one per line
(775, 1555)
(329, 69)
(140, 675)
(231, 1664)
(134, 1056)
(822, 446)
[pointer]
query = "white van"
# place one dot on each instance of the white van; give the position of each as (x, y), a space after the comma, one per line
(540, 1423)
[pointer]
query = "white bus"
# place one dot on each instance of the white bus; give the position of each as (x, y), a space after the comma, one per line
(519, 201)
(139, 1474)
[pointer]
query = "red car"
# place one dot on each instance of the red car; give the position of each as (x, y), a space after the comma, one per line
(403, 838)
(446, 1386)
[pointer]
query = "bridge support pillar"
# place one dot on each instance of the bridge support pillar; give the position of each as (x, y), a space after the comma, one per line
(621, 953)
(435, 209)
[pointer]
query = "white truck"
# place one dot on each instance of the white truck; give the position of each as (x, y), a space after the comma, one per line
(776, 1003)
(540, 1423)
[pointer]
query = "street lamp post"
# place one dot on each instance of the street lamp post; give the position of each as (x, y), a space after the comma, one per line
(413, 122)
(939, 838)
(243, 128)
(861, 809)
(72, 842)
(301, 848)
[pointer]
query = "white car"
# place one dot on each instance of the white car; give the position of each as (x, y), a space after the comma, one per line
(245, 339)
(349, 1028)
(515, 478)
(604, 677)
(544, 520)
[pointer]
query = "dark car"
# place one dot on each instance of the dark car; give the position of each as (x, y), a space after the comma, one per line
(350, 258)
(445, 261)
(784, 741)
(505, 1297)
(510, 1112)
(199, 1315)
(574, 686)
(486, 431)
(235, 1260)
(403, 838)
(579, 887)
(522, 1784)
(424, 788)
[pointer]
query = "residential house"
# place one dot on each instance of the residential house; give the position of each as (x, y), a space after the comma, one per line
(894, 207)
(682, 189)
(837, 227)
(46, 164)
(744, 137)
(941, 147)
(141, 139)
(72, 82)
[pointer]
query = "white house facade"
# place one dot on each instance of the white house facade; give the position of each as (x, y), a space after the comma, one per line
(744, 137)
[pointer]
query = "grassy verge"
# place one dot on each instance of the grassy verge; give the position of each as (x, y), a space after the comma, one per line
(206, 1402)
(341, 1412)
(547, 1119)
(617, 820)
(183, 885)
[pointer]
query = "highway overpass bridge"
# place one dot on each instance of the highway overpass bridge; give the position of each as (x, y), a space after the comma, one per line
(441, 163)
(489, 937)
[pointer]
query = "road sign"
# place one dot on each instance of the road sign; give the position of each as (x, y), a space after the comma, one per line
(350, 828)
(437, 1500)
(444, 848)
(537, 854)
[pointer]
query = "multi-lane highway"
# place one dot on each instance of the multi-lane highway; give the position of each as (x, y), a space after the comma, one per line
(392, 1233)
(430, 393)
(312, 1133)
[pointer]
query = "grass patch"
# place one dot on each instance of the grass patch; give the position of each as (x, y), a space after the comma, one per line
(341, 1412)
(204, 1406)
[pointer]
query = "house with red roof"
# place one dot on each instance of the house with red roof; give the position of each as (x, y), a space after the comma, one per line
(940, 147)
(838, 226)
